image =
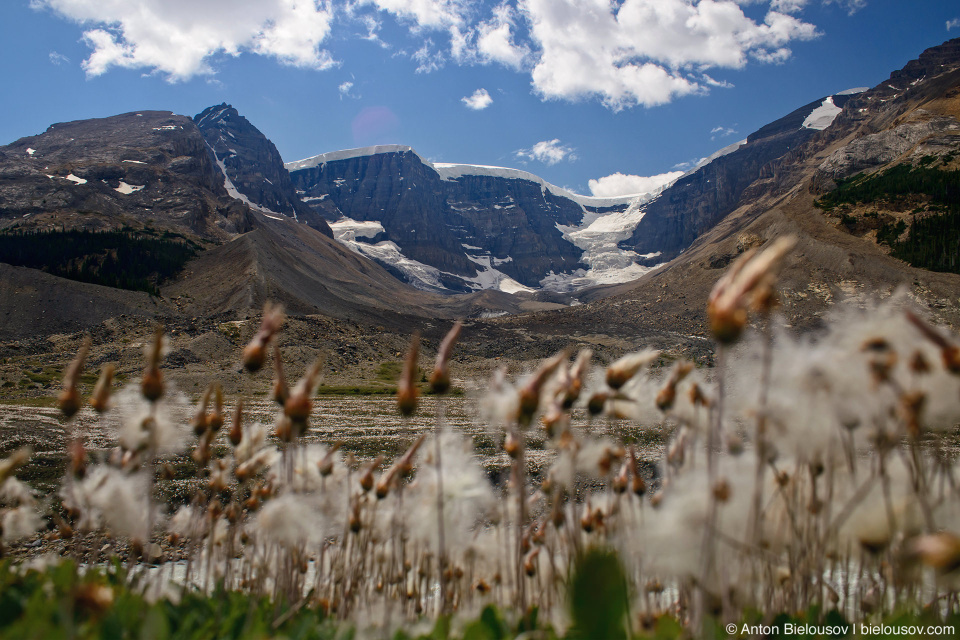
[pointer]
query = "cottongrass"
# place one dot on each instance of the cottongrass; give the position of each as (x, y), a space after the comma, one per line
(815, 470)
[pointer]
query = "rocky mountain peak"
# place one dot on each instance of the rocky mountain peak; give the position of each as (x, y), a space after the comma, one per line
(252, 167)
(137, 168)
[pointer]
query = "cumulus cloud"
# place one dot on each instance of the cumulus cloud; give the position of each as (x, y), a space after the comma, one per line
(431, 14)
(179, 37)
(953, 24)
(547, 151)
(788, 6)
(495, 40)
(624, 53)
(619, 184)
(478, 101)
(644, 52)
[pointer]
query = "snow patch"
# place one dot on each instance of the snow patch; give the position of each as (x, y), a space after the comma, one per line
(347, 230)
(823, 116)
(167, 127)
(727, 150)
(450, 171)
(210, 116)
(598, 235)
(420, 275)
(134, 161)
(854, 91)
(235, 194)
(30, 151)
(346, 154)
(491, 278)
(127, 189)
(73, 178)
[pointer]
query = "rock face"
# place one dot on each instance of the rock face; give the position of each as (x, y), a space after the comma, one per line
(140, 168)
(252, 165)
(460, 227)
(697, 201)
(453, 227)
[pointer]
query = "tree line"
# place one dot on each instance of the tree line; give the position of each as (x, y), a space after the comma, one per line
(933, 239)
(139, 260)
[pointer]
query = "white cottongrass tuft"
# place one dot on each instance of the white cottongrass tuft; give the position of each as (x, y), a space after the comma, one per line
(21, 522)
(159, 426)
(113, 499)
(467, 494)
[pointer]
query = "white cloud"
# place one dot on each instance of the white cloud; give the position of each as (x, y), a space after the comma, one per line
(619, 184)
(622, 52)
(427, 59)
(346, 90)
(788, 6)
(58, 58)
(478, 101)
(178, 37)
(721, 132)
(496, 43)
(646, 52)
(852, 6)
(953, 24)
(430, 14)
(548, 152)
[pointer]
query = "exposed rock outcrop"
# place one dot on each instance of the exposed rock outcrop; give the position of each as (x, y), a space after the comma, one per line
(140, 168)
(253, 165)
(470, 224)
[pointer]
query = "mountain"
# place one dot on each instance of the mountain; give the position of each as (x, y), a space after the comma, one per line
(872, 199)
(446, 226)
(309, 273)
(145, 168)
(160, 178)
(252, 167)
(461, 227)
(697, 201)
(866, 180)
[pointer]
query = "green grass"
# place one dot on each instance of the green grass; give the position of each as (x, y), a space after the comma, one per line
(106, 602)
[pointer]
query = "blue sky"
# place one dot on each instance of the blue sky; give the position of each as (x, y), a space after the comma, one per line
(576, 91)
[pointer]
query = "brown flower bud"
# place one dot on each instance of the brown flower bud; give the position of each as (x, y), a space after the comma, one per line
(69, 399)
(151, 385)
(530, 563)
(597, 402)
(440, 378)
(721, 490)
(100, 400)
(407, 391)
(216, 418)
(366, 476)
(512, 445)
(236, 427)
(529, 394)
(621, 371)
(255, 353)
(325, 465)
(200, 420)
